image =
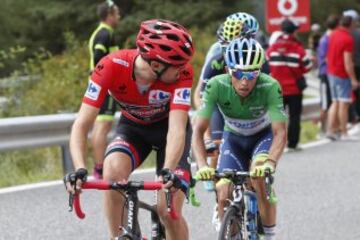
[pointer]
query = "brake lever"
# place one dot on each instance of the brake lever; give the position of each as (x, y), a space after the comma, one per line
(71, 202)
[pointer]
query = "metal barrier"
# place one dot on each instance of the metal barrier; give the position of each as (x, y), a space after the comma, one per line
(54, 130)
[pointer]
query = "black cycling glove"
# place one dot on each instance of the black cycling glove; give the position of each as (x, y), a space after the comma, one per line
(72, 177)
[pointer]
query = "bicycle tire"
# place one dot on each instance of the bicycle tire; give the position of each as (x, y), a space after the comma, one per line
(232, 216)
(152, 209)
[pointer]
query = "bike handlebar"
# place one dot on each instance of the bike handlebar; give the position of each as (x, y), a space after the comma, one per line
(74, 199)
(235, 176)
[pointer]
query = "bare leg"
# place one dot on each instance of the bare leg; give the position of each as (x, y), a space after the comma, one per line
(343, 116)
(223, 191)
(267, 210)
(117, 167)
(333, 117)
(175, 229)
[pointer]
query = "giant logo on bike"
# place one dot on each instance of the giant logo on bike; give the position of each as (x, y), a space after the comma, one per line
(182, 96)
(158, 96)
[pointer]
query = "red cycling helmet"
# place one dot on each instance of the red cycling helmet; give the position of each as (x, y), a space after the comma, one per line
(164, 41)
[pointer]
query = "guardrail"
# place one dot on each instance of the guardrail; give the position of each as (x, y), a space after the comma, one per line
(54, 130)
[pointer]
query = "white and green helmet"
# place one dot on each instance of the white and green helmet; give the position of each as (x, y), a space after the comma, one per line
(244, 54)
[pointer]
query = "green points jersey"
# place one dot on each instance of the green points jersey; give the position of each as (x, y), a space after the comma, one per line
(249, 115)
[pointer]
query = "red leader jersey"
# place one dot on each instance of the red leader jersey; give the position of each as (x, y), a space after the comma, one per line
(115, 74)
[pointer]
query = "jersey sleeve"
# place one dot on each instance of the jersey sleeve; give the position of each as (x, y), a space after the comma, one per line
(181, 97)
(214, 65)
(349, 45)
(209, 99)
(99, 83)
(275, 103)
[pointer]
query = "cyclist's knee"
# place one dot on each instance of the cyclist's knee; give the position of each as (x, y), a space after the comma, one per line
(257, 184)
(117, 166)
(223, 191)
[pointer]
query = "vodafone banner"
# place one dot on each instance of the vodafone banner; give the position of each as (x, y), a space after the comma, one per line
(296, 10)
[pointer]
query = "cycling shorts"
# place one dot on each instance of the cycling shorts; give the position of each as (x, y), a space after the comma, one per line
(138, 140)
(237, 152)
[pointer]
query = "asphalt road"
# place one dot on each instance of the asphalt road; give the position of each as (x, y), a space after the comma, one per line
(318, 190)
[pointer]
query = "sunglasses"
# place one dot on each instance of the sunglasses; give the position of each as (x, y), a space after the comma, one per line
(244, 75)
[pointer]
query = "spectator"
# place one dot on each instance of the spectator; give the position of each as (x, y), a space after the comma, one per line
(341, 76)
(315, 36)
(356, 58)
(325, 95)
(102, 43)
(288, 63)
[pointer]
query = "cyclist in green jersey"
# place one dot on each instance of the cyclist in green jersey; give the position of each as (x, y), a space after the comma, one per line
(255, 124)
(102, 43)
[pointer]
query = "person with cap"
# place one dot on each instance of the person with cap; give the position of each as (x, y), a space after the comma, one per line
(342, 77)
(325, 95)
(288, 63)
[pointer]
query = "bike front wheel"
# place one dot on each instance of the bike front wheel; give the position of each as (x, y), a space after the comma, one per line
(232, 226)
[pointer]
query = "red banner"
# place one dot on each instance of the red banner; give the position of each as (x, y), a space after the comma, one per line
(296, 10)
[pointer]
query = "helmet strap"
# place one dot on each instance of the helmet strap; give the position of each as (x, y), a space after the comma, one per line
(158, 73)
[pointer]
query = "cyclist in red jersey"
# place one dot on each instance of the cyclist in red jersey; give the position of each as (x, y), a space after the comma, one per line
(152, 85)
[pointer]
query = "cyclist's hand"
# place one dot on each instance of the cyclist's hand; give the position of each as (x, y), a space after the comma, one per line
(171, 180)
(74, 180)
(205, 173)
(259, 170)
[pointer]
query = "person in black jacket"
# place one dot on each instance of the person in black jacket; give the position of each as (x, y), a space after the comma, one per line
(102, 43)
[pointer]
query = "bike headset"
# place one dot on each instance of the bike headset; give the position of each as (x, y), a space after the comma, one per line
(237, 25)
(166, 42)
(245, 57)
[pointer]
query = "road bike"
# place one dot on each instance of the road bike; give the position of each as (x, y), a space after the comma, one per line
(130, 190)
(241, 218)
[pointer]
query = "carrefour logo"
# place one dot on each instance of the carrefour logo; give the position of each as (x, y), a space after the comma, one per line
(182, 96)
(157, 96)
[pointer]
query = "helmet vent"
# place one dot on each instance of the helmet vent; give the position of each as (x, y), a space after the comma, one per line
(173, 37)
(176, 58)
(164, 47)
(186, 50)
(149, 45)
(154, 36)
(161, 27)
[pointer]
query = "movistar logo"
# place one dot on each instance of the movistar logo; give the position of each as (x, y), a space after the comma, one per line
(218, 65)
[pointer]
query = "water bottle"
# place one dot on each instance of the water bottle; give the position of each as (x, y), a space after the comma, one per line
(251, 209)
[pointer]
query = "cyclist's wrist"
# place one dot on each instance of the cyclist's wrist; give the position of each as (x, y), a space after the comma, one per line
(271, 161)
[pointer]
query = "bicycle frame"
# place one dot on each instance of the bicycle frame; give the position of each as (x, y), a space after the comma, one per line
(132, 230)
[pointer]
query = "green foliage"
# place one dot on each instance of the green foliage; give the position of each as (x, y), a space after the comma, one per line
(321, 9)
(28, 166)
(309, 131)
(37, 24)
(62, 83)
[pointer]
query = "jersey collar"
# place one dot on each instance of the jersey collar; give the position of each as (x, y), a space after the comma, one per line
(107, 26)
